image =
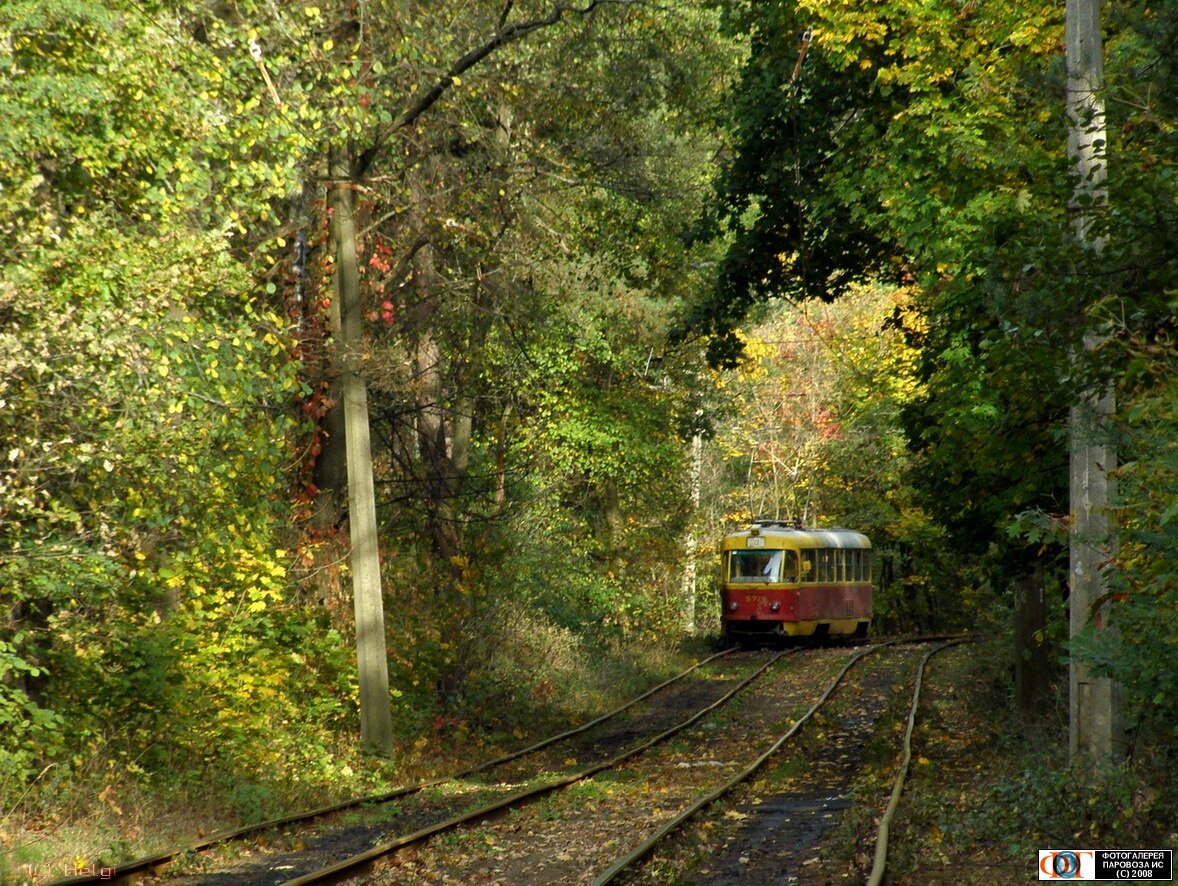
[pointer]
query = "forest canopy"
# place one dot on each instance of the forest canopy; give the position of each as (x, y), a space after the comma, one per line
(829, 245)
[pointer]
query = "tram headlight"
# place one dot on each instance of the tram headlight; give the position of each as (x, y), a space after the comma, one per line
(775, 606)
(732, 606)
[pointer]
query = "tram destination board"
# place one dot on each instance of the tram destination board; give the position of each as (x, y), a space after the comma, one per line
(1124, 865)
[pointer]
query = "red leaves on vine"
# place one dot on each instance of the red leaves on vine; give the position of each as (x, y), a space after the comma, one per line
(828, 428)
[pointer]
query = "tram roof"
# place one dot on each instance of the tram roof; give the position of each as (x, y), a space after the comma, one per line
(789, 536)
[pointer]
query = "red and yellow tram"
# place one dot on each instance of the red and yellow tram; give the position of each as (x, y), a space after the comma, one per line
(782, 580)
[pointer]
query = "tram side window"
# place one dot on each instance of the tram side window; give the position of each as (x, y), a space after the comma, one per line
(857, 568)
(823, 557)
(789, 566)
(840, 564)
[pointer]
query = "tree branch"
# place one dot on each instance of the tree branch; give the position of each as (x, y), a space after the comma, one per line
(505, 35)
(506, 12)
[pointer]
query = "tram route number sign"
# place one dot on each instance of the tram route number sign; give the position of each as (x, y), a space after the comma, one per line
(1129, 865)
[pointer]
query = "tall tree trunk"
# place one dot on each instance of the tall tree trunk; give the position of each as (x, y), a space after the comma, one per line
(1031, 664)
(613, 526)
(331, 466)
(440, 438)
(1094, 703)
(376, 726)
(441, 480)
(689, 571)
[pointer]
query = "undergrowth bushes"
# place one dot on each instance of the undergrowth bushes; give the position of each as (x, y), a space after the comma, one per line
(992, 782)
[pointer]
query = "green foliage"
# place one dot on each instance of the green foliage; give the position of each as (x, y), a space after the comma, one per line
(32, 732)
(1054, 803)
(144, 395)
(1142, 652)
(535, 319)
(927, 154)
(789, 234)
(947, 155)
(142, 511)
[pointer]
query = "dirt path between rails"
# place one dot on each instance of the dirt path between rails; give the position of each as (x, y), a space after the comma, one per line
(571, 835)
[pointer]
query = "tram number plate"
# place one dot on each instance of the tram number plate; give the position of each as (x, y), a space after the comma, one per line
(755, 543)
(753, 598)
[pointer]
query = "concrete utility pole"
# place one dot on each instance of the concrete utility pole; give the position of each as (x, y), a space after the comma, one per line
(376, 722)
(689, 572)
(1095, 703)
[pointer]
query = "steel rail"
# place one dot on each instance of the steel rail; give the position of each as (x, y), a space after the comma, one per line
(879, 865)
(619, 865)
(353, 864)
(154, 863)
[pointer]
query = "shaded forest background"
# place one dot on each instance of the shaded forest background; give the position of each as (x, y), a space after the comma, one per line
(832, 242)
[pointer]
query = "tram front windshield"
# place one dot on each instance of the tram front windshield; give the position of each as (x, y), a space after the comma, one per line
(753, 566)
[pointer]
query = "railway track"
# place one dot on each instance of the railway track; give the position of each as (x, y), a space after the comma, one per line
(153, 866)
(604, 829)
(784, 826)
(520, 840)
(530, 823)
